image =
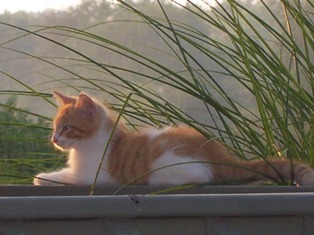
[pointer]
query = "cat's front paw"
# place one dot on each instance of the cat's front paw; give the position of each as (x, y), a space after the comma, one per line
(43, 180)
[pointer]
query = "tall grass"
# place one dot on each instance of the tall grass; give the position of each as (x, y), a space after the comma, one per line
(280, 83)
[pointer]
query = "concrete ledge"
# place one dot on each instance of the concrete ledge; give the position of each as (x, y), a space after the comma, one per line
(209, 210)
(29, 190)
(139, 206)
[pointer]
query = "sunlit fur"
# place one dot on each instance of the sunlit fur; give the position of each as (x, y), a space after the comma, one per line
(171, 156)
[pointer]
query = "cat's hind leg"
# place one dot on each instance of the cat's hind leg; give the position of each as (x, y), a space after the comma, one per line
(170, 169)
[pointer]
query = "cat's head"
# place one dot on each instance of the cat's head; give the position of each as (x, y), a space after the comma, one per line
(77, 119)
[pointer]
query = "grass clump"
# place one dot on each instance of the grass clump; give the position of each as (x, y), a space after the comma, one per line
(237, 71)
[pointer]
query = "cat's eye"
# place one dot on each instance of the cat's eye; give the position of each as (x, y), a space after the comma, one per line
(65, 128)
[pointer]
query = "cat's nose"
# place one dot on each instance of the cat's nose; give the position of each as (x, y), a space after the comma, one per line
(54, 139)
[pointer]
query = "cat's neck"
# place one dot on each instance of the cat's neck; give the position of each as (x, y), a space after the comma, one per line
(89, 151)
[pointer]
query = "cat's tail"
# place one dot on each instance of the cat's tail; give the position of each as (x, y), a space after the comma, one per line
(277, 170)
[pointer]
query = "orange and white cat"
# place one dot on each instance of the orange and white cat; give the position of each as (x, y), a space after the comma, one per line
(171, 156)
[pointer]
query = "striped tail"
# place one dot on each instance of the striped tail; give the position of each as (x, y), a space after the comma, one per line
(277, 170)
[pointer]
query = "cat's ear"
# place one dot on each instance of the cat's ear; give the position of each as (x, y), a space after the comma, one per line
(63, 98)
(86, 105)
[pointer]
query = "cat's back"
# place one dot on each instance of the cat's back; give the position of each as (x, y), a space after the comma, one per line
(134, 152)
(153, 141)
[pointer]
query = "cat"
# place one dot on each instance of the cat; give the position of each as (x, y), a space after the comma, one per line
(170, 156)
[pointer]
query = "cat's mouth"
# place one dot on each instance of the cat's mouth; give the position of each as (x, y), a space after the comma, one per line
(63, 147)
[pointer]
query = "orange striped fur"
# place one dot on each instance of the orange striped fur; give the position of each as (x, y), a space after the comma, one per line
(172, 156)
